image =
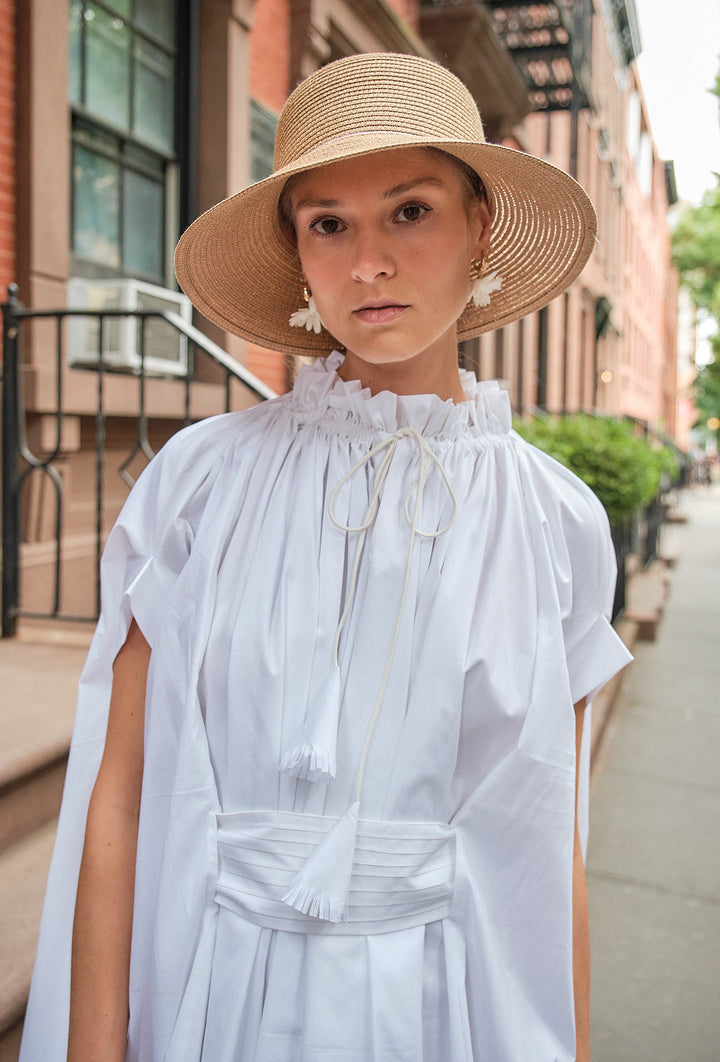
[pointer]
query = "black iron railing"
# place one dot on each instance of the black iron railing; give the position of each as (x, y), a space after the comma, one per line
(19, 461)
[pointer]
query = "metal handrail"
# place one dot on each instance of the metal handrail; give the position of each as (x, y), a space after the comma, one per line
(198, 338)
(16, 449)
(657, 435)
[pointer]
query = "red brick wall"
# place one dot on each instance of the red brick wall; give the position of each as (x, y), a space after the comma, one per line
(408, 10)
(269, 365)
(7, 145)
(270, 53)
(269, 81)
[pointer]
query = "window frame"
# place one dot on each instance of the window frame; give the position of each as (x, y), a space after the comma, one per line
(176, 172)
(263, 126)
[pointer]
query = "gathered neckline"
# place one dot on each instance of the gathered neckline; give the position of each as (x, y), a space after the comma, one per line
(320, 394)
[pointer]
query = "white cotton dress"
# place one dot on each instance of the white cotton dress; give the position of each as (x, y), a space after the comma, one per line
(370, 618)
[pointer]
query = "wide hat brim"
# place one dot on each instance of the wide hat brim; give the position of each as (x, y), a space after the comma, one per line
(242, 272)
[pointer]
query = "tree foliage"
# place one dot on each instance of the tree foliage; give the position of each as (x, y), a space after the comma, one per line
(696, 251)
(696, 242)
(623, 469)
(707, 391)
(696, 254)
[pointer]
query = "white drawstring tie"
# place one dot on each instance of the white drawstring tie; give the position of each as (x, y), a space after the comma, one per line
(322, 885)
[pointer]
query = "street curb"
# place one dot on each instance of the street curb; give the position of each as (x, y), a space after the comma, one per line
(631, 628)
(605, 702)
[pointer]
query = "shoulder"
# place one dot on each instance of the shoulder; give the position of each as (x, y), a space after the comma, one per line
(210, 438)
(197, 461)
(572, 526)
(562, 496)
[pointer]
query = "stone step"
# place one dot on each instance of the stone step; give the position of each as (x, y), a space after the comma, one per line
(23, 873)
(39, 672)
(646, 594)
(604, 701)
(38, 679)
(30, 796)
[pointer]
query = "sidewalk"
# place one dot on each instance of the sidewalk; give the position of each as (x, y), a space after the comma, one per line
(654, 854)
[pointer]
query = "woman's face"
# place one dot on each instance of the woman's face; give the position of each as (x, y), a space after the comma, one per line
(386, 242)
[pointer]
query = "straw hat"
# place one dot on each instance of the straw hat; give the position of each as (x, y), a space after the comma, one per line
(241, 270)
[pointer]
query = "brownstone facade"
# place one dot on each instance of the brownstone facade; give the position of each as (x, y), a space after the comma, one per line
(7, 143)
(608, 345)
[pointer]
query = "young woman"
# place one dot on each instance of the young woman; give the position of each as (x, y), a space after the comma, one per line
(322, 794)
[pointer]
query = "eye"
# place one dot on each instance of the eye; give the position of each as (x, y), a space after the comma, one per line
(409, 213)
(326, 226)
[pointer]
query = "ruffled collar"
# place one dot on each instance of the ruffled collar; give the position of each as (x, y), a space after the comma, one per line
(319, 389)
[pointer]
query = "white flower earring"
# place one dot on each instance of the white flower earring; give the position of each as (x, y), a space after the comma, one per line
(482, 285)
(307, 317)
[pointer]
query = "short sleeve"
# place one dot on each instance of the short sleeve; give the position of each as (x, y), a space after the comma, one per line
(140, 558)
(149, 543)
(593, 649)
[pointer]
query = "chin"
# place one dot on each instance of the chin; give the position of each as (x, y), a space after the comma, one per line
(385, 357)
(385, 350)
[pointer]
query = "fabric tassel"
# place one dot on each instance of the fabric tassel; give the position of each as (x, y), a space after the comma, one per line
(313, 755)
(321, 888)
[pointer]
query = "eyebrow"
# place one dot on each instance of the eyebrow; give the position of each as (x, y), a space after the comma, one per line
(407, 186)
(390, 193)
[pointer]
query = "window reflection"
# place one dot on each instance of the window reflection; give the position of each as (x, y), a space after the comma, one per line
(142, 224)
(156, 19)
(153, 71)
(96, 214)
(122, 68)
(107, 66)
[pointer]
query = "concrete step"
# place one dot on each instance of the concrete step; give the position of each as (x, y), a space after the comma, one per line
(30, 795)
(23, 873)
(604, 701)
(646, 595)
(38, 680)
(39, 672)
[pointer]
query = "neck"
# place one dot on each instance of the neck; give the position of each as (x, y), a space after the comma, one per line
(411, 377)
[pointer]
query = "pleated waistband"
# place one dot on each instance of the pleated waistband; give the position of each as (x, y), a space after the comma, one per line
(402, 873)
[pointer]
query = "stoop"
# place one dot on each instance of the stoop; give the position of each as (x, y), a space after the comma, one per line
(39, 672)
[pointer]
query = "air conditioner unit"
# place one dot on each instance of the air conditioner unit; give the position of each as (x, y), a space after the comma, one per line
(166, 349)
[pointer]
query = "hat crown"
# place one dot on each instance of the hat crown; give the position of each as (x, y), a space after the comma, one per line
(374, 95)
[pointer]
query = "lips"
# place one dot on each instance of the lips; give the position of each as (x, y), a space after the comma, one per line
(380, 312)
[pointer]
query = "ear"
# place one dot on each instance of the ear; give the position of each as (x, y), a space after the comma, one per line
(480, 227)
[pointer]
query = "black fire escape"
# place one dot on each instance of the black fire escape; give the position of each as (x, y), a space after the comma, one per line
(551, 44)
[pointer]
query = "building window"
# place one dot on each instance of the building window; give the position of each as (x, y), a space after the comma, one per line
(122, 85)
(263, 124)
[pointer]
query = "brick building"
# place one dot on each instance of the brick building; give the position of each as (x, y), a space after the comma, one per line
(610, 343)
(7, 143)
(133, 116)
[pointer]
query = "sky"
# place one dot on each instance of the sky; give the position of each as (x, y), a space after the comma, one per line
(678, 63)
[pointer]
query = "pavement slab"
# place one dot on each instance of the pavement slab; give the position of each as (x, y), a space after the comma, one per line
(651, 997)
(654, 852)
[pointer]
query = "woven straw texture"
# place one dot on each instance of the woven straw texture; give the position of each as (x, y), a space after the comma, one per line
(242, 272)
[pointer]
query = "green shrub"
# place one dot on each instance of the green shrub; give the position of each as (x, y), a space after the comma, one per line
(623, 470)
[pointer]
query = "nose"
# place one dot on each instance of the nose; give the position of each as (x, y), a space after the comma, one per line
(371, 258)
